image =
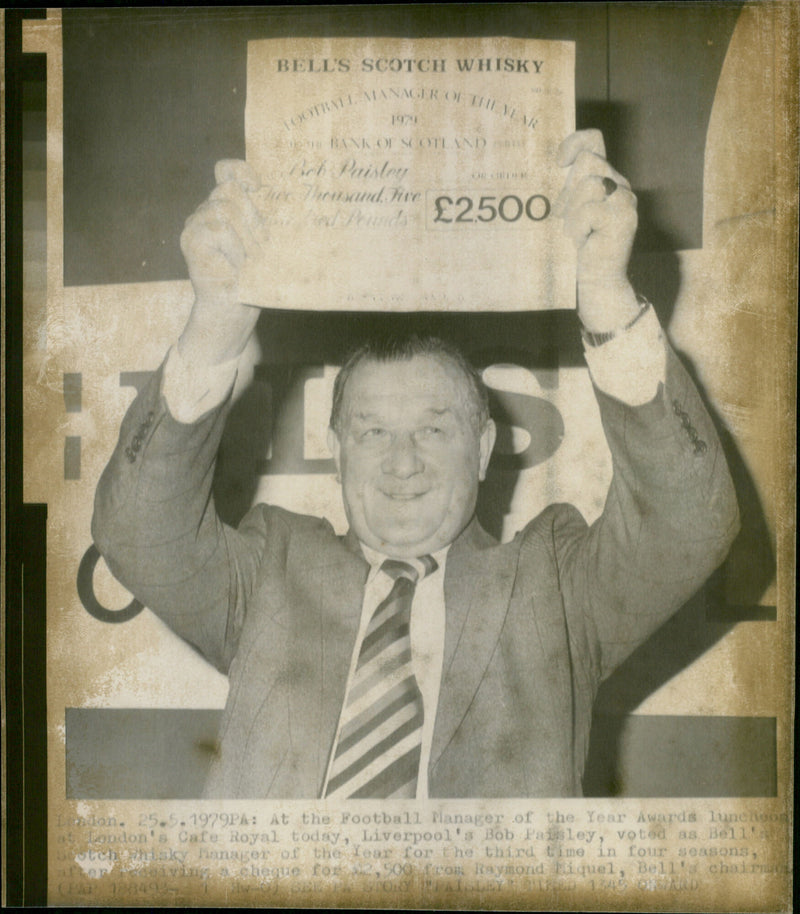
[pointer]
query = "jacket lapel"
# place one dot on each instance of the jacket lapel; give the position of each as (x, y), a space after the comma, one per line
(479, 578)
(339, 587)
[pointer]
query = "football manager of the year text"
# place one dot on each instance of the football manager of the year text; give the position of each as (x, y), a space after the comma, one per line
(415, 656)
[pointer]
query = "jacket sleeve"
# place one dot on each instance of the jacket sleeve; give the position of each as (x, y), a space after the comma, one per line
(668, 522)
(155, 524)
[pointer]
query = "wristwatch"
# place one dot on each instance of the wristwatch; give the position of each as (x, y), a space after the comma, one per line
(597, 339)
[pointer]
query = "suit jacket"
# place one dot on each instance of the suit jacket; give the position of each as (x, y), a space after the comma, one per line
(532, 626)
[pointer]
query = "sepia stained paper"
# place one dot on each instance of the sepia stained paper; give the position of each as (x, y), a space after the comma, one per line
(430, 165)
(734, 318)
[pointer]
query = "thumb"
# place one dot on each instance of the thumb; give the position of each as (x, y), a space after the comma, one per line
(236, 170)
(590, 140)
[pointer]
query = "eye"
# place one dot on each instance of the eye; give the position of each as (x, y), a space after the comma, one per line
(372, 434)
(431, 431)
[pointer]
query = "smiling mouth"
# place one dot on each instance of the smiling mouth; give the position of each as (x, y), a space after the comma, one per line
(403, 496)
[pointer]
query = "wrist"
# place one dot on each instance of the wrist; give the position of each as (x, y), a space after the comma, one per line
(598, 338)
(216, 333)
(607, 307)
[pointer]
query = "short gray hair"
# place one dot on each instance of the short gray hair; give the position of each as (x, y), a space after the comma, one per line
(403, 349)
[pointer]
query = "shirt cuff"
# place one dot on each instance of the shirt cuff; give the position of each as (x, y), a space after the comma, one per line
(191, 391)
(631, 366)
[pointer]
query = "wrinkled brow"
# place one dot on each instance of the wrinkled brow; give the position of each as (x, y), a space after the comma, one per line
(428, 411)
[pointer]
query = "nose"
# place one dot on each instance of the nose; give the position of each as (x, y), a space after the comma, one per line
(402, 459)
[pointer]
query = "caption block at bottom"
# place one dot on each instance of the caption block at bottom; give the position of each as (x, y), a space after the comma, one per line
(215, 853)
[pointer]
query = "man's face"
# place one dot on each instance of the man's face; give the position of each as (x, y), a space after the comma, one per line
(409, 454)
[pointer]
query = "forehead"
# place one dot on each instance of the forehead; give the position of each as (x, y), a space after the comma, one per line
(423, 381)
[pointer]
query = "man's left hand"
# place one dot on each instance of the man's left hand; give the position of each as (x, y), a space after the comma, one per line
(599, 213)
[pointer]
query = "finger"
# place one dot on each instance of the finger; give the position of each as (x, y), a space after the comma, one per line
(212, 255)
(587, 166)
(580, 223)
(231, 204)
(598, 213)
(208, 228)
(615, 214)
(236, 170)
(208, 231)
(589, 163)
(234, 195)
(590, 189)
(249, 205)
(590, 140)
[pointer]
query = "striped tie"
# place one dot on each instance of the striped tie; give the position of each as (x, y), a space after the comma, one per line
(378, 749)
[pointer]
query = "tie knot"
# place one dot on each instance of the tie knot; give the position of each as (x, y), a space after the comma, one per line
(412, 569)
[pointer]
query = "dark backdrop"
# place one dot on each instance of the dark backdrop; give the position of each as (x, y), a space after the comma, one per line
(154, 97)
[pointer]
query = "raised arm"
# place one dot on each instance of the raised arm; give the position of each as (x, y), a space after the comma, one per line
(219, 237)
(154, 519)
(671, 513)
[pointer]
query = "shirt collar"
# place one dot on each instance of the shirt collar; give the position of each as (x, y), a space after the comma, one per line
(376, 559)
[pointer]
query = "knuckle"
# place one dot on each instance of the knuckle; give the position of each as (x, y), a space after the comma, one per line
(190, 229)
(627, 217)
(595, 138)
(235, 175)
(628, 204)
(595, 188)
(588, 158)
(225, 192)
(199, 215)
(223, 170)
(220, 210)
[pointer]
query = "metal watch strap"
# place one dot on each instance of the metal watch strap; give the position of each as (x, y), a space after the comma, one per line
(597, 339)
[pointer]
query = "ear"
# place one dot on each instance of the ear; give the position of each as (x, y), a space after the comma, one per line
(486, 446)
(335, 448)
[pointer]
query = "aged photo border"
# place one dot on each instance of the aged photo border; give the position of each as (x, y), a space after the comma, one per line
(24, 666)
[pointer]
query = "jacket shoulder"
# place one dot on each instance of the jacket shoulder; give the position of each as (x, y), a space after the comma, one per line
(276, 523)
(557, 522)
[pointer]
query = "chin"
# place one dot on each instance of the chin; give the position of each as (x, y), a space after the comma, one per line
(411, 545)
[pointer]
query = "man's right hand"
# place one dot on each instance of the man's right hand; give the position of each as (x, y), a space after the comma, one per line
(219, 238)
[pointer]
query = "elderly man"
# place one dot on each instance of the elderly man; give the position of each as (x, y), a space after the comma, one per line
(415, 656)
